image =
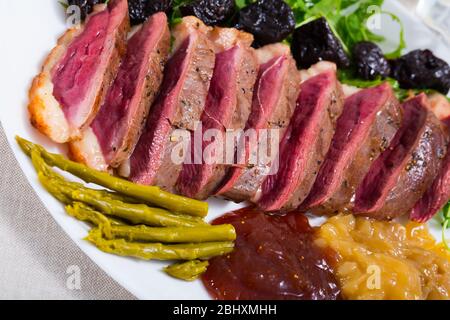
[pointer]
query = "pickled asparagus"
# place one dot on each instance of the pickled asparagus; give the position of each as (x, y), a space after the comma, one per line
(82, 212)
(150, 194)
(188, 271)
(175, 234)
(134, 213)
(159, 251)
(106, 202)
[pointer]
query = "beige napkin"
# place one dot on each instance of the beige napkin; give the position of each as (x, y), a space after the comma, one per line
(37, 259)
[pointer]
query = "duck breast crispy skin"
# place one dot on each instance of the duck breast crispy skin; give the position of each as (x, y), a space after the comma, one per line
(226, 111)
(179, 105)
(276, 90)
(399, 177)
(67, 94)
(113, 134)
(370, 119)
(304, 144)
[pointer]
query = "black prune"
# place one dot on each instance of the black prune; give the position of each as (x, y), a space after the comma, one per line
(421, 69)
(154, 6)
(211, 12)
(269, 21)
(136, 8)
(140, 10)
(314, 42)
(86, 6)
(370, 61)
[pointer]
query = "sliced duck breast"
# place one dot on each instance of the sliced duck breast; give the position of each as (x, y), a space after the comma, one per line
(407, 168)
(67, 94)
(304, 144)
(115, 130)
(276, 90)
(179, 104)
(369, 121)
(436, 196)
(440, 105)
(439, 193)
(227, 108)
(446, 122)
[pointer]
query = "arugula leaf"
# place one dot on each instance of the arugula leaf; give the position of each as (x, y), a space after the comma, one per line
(176, 13)
(348, 18)
(242, 3)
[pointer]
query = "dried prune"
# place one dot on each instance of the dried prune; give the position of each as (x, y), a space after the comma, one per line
(269, 21)
(421, 69)
(369, 61)
(211, 12)
(86, 6)
(136, 8)
(141, 9)
(154, 6)
(314, 42)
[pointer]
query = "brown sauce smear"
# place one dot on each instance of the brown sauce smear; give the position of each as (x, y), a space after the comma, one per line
(274, 258)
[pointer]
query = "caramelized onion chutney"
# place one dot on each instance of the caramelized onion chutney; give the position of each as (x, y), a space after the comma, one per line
(274, 258)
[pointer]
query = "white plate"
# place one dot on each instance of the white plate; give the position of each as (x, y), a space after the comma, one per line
(29, 29)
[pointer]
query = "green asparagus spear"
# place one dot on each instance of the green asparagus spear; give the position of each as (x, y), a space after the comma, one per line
(188, 271)
(148, 194)
(83, 212)
(104, 194)
(46, 174)
(52, 188)
(159, 251)
(135, 213)
(146, 234)
(175, 234)
(67, 192)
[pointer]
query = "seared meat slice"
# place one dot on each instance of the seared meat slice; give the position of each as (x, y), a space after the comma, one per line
(114, 132)
(446, 122)
(436, 196)
(304, 144)
(439, 193)
(273, 103)
(179, 105)
(370, 119)
(407, 168)
(227, 108)
(440, 105)
(67, 94)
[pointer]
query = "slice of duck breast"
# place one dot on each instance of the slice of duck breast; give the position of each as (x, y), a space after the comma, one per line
(115, 130)
(276, 90)
(67, 94)
(439, 193)
(446, 122)
(407, 168)
(227, 108)
(440, 105)
(436, 196)
(179, 105)
(304, 144)
(369, 121)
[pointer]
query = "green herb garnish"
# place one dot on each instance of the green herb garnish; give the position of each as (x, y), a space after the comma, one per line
(348, 18)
